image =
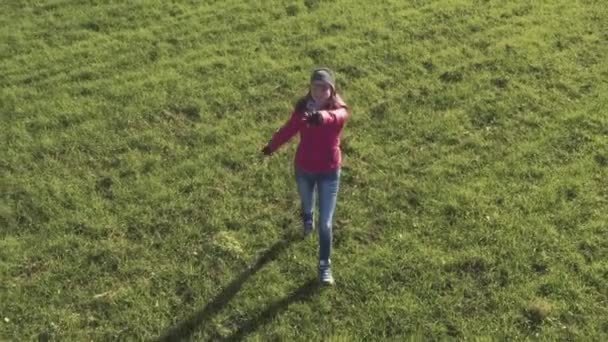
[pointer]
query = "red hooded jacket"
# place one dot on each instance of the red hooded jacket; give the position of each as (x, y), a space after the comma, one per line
(319, 148)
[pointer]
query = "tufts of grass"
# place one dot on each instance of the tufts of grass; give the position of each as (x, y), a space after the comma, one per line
(135, 204)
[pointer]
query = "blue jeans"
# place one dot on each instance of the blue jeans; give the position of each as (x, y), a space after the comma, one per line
(327, 184)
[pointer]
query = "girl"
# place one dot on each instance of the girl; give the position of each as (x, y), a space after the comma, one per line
(319, 117)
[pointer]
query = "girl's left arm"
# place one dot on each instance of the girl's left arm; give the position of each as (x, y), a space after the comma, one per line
(334, 116)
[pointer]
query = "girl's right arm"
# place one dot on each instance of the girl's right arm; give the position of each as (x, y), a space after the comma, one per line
(286, 132)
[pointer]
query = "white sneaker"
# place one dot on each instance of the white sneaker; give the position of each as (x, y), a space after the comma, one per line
(325, 276)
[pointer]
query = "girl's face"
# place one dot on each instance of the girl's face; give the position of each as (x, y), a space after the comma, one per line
(320, 91)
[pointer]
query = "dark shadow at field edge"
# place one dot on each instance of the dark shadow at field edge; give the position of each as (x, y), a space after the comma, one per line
(197, 320)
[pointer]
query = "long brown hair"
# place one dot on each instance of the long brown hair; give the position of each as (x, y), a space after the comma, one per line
(334, 102)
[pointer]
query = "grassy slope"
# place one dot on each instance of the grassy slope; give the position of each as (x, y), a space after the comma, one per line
(474, 193)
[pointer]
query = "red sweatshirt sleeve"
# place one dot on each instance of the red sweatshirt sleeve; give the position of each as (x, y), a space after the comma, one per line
(286, 132)
(335, 116)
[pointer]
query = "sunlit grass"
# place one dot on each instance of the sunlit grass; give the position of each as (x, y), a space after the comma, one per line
(136, 204)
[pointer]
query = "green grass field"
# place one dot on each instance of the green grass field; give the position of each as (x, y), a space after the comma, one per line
(135, 203)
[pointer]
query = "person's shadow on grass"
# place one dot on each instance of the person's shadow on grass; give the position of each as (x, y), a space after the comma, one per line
(197, 320)
(303, 293)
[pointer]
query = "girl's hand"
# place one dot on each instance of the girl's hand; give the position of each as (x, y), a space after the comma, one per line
(314, 118)
(266, 150)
